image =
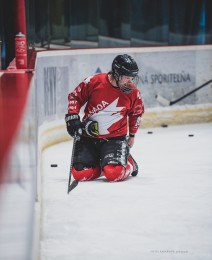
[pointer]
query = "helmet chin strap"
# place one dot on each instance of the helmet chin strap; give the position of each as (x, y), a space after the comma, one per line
(114, 78)
(117, 84)
(117, 79)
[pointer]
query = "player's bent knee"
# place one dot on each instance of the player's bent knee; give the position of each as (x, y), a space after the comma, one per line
(86, 174)
(114, 172)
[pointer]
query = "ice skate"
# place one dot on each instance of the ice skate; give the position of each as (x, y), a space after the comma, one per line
(135, 166)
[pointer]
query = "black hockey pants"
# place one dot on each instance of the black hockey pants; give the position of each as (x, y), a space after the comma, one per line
(91, 152)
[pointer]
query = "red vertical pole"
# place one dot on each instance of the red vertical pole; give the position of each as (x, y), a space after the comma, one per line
(20, 17)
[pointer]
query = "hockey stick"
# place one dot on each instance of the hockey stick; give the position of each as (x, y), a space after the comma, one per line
(91, 128)
(166, 102)
(72, 185)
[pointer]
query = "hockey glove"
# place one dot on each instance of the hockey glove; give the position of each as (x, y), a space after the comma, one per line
(76, 127)
(73, 124)
(91, 128)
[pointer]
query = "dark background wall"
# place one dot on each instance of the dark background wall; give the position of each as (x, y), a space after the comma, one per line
(107, 23)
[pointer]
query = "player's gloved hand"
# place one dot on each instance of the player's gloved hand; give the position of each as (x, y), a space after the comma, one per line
(76, 127)
(73, 124)
(91, 128)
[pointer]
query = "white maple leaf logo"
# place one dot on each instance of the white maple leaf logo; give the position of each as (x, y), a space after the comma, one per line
(107, 117)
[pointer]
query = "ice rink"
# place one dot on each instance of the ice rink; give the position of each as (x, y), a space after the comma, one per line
(163, 213)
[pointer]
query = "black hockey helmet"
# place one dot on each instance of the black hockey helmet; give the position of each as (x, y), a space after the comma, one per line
(124, 65)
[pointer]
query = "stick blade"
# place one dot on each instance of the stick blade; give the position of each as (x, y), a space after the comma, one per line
(163, 100)
(72, 186)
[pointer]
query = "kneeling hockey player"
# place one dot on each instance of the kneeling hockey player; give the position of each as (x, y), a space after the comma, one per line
(111, 119)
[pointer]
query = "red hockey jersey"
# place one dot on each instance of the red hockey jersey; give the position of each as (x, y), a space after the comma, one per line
(116, 112)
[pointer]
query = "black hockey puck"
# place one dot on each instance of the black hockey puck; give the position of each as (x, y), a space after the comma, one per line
(191, 135)
(149, 132)
(53, 165)
(164, 125)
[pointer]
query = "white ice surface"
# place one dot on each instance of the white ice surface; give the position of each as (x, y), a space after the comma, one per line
(163, 213)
